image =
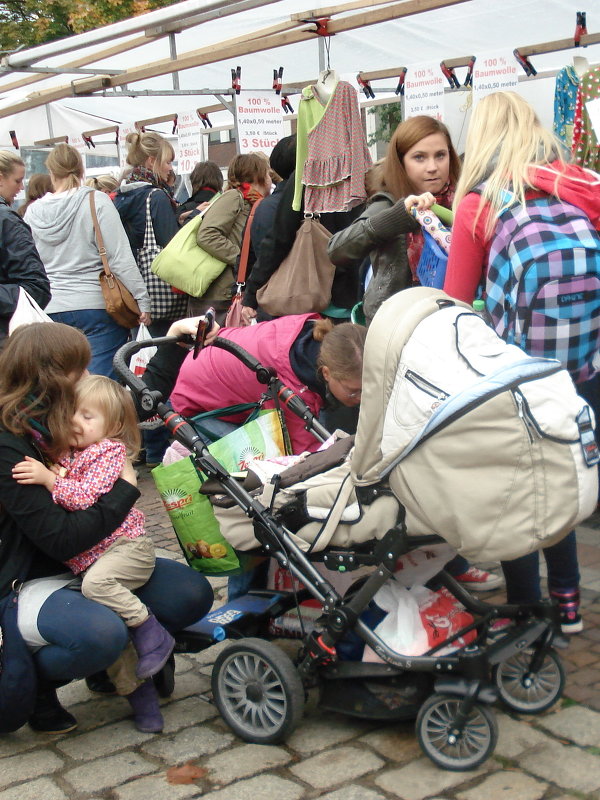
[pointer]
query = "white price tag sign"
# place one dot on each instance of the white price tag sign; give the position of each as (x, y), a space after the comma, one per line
(259, 120)
(424, 91)
(125, 128)
(593, 109)
(190, 141)
(76, 140)
(495, 72)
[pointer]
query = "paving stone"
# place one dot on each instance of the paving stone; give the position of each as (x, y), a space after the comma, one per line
(76, 692)
(243, 761)
(18, 742)
(190, 683)
(102, 742)
(422, 778)
(506, 784)
(267, 787)
(191, 743)
(568, 767)
(395, 743)
(100, 711)
(332, 767)
(42, 789)
(516, 737)
(208, 656)
(106, 773)
(156, 787)
(352, 792)
(580, 725)
(183, 713)
(27, 766)
(320, 732)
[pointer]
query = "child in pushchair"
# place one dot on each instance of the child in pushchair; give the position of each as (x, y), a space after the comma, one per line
(394, 493)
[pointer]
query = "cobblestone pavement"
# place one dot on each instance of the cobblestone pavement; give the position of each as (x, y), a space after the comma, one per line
(552, 756)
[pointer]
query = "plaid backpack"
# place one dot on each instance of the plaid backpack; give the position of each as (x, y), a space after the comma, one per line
(542, 288)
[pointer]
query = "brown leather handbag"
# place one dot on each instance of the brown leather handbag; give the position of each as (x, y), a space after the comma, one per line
(119, 302)
(302, 282)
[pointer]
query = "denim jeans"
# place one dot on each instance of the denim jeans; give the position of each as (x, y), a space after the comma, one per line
(523, 574)
(86, 637)
(103, 333)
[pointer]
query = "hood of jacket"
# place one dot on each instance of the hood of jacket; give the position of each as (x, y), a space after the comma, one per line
(130, 199)
(578, 186)
(52, 217)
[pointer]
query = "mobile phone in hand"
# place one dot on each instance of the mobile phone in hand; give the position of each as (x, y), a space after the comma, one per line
(205, 326)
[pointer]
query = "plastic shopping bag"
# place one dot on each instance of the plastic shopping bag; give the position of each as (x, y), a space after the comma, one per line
(139, 361)
(191, 513)
(26, 312)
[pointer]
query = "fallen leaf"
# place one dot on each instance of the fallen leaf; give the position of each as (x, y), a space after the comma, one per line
(186, 773)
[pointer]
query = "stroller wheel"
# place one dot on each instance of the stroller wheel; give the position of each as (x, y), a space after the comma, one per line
(460, 750)
(258, 691)
(530, 692)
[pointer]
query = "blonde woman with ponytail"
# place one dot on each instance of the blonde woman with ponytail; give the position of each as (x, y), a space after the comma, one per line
(64, 233)
(508, 150)
(20, 263)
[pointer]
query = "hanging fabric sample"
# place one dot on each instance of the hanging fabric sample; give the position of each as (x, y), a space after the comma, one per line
(565, 97)
(586, 143)
(332, 152)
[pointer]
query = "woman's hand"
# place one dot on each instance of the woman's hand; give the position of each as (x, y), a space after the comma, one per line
(33, 471)
(421, 201)
(248, 314)
(189, 326)
(202, 206)
(145, 318)
(128, 473)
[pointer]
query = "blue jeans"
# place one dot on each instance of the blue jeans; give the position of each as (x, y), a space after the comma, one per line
(103, 333)
(86, 637)
(523, 574)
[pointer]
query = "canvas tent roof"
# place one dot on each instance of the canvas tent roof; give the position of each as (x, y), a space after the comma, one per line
(466, 27)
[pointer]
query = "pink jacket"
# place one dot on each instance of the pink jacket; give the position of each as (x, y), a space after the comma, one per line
(218, 379)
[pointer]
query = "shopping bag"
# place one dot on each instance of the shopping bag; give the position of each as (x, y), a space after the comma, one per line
(139, 361)
(302, 282)
(185, 265)
(191, 513)
(26, 312)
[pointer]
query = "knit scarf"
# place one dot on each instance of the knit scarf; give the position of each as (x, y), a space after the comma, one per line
(414, 241)
(147, 176)
(249, 193)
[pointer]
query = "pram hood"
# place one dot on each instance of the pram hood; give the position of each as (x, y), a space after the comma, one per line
(388, 333)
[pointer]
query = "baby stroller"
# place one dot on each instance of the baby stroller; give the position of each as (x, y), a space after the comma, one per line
(260, 691)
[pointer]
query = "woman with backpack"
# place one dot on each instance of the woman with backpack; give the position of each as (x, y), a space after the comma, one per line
(519, 207)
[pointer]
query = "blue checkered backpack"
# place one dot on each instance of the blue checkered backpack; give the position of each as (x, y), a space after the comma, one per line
(542, 289)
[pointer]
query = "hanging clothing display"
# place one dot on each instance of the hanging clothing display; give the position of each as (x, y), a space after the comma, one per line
(332, 155)
(565, 97)
(586, 144)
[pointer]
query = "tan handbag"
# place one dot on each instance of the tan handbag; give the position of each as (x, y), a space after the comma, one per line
(234, 312)
(119, 302)
(302, 282)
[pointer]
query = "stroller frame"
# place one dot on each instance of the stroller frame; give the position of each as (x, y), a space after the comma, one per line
(260, 692)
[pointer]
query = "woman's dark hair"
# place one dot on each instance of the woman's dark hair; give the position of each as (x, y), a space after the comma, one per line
(206, 173)
(404, 138)
(39, 365)
(283, 156)
(38, 185)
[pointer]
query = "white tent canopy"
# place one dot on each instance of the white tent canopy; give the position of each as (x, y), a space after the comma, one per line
(464, 28)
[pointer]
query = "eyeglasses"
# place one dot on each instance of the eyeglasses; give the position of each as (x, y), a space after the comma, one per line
(351, 394)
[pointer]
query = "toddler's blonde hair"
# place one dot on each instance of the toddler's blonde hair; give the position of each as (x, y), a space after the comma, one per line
(116, 405)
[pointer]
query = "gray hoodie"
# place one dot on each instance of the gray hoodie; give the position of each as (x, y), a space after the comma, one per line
(64, 236)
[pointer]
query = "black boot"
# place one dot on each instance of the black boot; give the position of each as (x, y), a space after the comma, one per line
(100, 683)
(48, 714)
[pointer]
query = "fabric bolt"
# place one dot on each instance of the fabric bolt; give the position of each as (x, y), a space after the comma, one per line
(91, 473)
(565, 98)
(586, 146)
(331, 151)
(125, 565)
(166, 304)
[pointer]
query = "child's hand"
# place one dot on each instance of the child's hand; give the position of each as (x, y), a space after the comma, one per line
(421, 201)
(32, 471)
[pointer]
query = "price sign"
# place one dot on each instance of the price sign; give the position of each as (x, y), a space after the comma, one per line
(190, 141)
(495, 72)
(124, 129)
(259, 121)
(76, 141)
(424, 91)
